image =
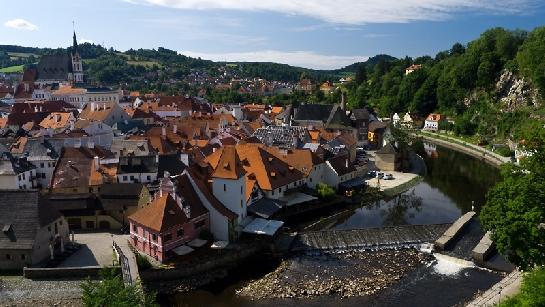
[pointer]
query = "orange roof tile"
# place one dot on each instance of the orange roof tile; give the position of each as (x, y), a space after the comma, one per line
(160, 215)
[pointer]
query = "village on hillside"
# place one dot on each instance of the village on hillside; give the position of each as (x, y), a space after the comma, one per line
(173, 173)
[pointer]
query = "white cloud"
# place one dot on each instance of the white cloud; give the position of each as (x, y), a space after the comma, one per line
(20, 24)
(358, 11)
(306, 59)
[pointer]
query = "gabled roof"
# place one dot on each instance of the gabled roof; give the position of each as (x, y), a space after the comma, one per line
(56, 120)
(360, 114)
(54, 67)
(313, 112)
(161, 214)
(22, 214)
(226, 163)
(302, 159)
(189, 196)
(376, 125)
(118, 196)
(341, 164)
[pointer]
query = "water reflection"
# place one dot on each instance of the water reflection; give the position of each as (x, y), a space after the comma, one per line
(453, 182)
(402, 208)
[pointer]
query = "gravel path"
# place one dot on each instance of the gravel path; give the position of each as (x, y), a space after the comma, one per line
(18, 291)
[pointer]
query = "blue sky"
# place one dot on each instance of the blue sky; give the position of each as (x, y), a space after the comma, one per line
(310, 33)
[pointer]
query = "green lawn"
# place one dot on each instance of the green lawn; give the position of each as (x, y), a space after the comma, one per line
(21, 55)
(12, 69)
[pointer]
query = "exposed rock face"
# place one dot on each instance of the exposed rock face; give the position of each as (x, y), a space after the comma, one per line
(514, 91)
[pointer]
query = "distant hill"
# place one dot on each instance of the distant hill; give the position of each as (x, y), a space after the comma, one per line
(370, 63)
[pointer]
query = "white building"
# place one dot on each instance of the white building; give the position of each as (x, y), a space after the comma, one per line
(16, 173)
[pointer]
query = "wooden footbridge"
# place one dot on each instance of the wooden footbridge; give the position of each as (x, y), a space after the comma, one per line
(367, 238)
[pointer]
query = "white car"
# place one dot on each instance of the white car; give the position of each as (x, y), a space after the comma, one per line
(388, 177)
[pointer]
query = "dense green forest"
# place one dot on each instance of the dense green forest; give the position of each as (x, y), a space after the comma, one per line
(461, 83)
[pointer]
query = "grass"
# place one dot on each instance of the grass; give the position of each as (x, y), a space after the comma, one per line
(12, 69)
(21, 55)
(146, 64)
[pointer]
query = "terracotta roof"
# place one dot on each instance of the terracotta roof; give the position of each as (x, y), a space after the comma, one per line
(434, 117)
(269, 171)
(56, 120)
(69, 90)
(104, 110)
(226, 163)
(302, 159)
(277, 110)
(161, 214)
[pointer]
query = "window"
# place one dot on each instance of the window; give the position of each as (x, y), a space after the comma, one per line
(49, 228)
(24, 177)
(153, 237)
(180, 233)
(19, 177)
(43, 175)
(167, 237)
(241, 204)
(41, 165)
(23, 256)
(149, 178)
(60, 222)
(224, 188)
(199, 224)
(134, 228)
(124, 178)
(8, 256)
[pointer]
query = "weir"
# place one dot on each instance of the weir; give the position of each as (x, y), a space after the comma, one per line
(393, 236)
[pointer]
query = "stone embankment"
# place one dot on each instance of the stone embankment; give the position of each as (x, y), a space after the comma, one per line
(462, 146)
(347, 275)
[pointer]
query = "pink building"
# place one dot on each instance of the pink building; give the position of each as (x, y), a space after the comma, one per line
(168, 222)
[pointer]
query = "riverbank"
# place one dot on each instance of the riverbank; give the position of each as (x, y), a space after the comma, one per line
(464, 147)
(345, 275)
(401, 183)
(19, 291)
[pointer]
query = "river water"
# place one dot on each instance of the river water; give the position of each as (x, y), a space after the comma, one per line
(453, 184)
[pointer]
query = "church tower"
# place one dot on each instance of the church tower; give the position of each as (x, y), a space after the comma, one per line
(77, 65)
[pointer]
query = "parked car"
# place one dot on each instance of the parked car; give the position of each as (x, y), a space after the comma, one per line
(380, 175)
(372, 174)
(388, 177)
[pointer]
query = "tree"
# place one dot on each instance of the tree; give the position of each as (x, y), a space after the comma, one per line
(111, 291)
(361, 74)
(514, 208)
(532, 291)
(324, 191)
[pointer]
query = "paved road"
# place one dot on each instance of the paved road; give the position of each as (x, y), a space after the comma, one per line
(96, 250)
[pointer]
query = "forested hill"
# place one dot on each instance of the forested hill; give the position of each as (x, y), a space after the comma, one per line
(493, 87)
(112, 66)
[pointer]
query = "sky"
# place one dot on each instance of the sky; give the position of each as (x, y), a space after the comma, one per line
(320, 34)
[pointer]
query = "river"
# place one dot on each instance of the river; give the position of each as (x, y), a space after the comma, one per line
(453, 184)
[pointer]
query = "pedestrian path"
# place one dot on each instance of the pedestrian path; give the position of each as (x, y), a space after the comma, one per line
(507, 287)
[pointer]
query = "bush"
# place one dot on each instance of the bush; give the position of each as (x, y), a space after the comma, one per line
(324, 191)
(532, 291)
(504, 151)
(111, 291)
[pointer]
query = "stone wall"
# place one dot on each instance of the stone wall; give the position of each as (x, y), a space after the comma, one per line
(60, 273)
(229, 259)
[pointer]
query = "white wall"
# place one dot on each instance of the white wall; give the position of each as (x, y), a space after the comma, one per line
(316, 175)
(331, 177)
(219, 224)
(232, 194)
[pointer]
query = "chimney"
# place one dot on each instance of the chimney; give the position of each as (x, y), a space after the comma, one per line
(41, 108)
(50, 132)
(91, 144)
(57, 117)
(72, 126)
(92, 106)
(164, 131)
(97, 163)
(104, 106)
(157, 158)
(175, 129)
(346, 162)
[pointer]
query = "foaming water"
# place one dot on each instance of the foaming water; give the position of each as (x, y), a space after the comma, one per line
(447, 265)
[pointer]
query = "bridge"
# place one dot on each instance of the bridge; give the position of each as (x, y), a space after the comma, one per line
(367, 238)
